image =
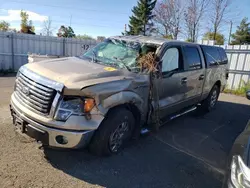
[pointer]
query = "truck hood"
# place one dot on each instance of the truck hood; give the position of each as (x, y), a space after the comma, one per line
(77, 73)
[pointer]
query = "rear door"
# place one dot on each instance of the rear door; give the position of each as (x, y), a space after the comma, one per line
(194, 73)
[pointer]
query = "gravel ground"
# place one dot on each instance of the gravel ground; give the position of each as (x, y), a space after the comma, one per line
(188, 152)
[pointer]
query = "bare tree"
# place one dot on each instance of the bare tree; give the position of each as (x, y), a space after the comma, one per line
(47, 27)
(168, 17)
(193, 15)
(218, 12)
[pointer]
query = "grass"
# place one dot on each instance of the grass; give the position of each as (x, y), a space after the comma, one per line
(241, 91)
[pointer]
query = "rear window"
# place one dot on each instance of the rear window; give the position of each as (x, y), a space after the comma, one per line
(212, 55)
(223, 55)
(193, 58)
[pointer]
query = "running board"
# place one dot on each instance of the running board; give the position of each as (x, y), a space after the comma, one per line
(183, 113)
(146, 130)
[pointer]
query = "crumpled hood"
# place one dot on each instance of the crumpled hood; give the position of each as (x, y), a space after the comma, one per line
(76, 73)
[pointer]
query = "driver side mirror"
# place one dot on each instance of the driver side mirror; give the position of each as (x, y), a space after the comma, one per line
(248, 94)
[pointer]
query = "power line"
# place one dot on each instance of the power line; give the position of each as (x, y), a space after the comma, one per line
(62, 7)
(96, 19)
(81, 24)
(102, 20)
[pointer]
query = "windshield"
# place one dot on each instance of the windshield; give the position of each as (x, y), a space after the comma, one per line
(116, 53)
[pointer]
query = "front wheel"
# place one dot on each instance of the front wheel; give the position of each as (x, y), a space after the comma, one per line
(210, 102)
(114, 132)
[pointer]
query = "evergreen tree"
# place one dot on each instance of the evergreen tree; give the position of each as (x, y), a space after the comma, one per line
(66, 32)
(242, 34)
(141, 20)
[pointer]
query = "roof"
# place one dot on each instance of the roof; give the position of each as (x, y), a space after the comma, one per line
(151, 40)
(143, 39)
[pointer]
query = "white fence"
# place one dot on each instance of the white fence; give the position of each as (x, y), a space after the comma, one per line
(239, 65)
(14, 48)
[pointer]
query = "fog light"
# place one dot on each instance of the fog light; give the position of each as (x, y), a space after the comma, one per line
(61, 139)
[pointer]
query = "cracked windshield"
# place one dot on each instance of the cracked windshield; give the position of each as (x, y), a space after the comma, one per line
(115, 53)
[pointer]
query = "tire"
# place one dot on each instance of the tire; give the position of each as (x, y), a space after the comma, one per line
(210, 102)
(114, 133)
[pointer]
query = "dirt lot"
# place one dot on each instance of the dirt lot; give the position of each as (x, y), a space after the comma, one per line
(187, 152)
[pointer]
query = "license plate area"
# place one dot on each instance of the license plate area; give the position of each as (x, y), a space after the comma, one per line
(19, 124)
(22, 126)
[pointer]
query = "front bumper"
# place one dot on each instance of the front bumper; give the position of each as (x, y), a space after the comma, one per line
(49, 136)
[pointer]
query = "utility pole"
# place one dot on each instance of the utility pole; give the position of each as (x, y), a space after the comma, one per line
(230, 32)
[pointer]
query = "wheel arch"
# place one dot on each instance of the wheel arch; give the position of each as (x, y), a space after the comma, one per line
(218, 83)
(129, 106)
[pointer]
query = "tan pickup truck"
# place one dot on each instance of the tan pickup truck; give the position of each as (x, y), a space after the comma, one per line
(108, 96)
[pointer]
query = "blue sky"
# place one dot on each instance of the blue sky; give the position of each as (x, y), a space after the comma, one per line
(92, 17)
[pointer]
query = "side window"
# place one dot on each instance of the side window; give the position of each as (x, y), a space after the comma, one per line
(212, 55)
(170, 60)
(193, 59)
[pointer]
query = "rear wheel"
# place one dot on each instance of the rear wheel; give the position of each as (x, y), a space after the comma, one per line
(114, 132)
(210, 102)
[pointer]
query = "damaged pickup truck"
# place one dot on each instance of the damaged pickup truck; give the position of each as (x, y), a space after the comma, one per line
(123, 86)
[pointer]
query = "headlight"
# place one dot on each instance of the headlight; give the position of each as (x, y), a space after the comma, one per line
(240, 173)
(73, 106)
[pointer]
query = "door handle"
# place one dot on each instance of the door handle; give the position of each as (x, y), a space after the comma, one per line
(184, 80)
(201, 77)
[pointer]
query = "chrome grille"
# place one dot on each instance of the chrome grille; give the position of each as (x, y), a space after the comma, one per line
(33, 95)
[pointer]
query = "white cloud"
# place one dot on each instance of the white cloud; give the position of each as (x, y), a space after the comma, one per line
(14, 15)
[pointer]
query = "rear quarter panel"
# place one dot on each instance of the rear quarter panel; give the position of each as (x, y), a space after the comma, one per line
(214, 74)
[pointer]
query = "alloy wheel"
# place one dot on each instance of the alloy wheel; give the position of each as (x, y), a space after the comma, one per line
(118, 136)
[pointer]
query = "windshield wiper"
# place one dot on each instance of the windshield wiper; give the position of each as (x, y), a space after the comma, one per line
(121, 61)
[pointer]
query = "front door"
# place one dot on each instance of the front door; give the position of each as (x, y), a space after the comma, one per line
(169, 88)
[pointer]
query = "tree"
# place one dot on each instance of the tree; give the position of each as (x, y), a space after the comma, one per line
(26, 24)
(24, 20)
(84, 37)
(47, 27)
(218, 11)
(219, 38)
(66, 32)
(193, 15)
(141, 20)
(168, 17)
(32, 28)
(101, 38)
(242, 34)
(4, 26)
